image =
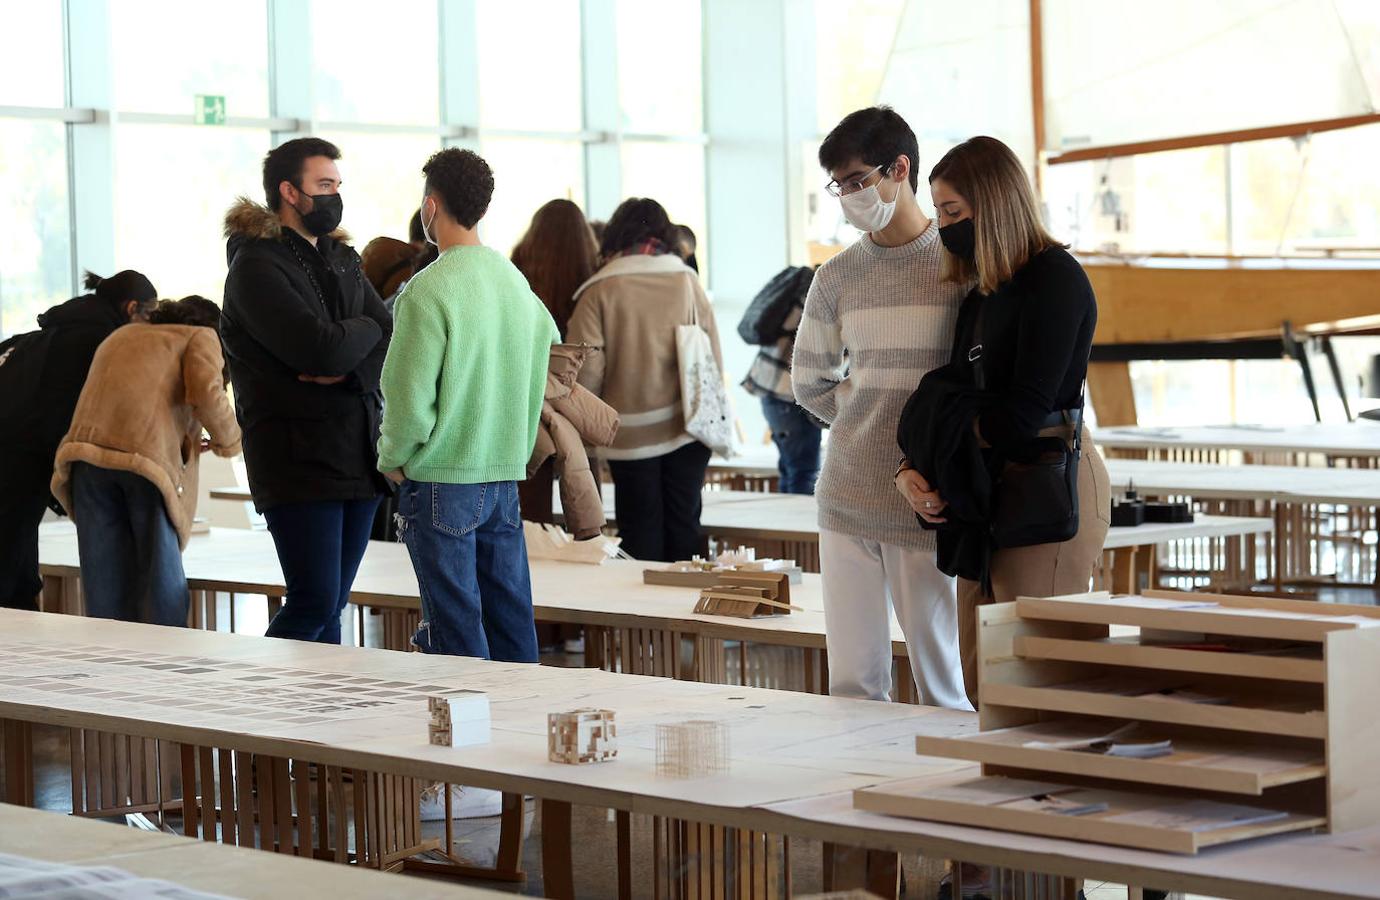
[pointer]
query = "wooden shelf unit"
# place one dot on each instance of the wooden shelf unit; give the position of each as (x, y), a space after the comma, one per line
(1267, 704)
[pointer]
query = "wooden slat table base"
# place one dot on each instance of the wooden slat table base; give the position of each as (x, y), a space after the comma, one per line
(116, 774)
(698, 861)
(363, 817)
(18, 741)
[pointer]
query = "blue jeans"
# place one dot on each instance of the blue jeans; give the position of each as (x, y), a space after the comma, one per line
(797, 441)
(319, 546)
(131, 561)
(467, 547)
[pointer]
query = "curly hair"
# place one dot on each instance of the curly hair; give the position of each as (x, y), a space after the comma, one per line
(190, 310)
(462, 181)
(636, 220)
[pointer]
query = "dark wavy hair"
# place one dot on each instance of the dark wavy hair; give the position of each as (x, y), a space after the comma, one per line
(636, 220)
(462, 181)
(876, 135)
(557, 254)
(190, 310)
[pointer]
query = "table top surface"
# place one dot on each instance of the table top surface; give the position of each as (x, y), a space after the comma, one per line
(795, 758)
(1285, 484)
(211, 867)
(1352, 439)
(612, 594)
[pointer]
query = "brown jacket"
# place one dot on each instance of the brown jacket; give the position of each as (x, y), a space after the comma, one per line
(572, 417)
(150, 391)
(630, 309)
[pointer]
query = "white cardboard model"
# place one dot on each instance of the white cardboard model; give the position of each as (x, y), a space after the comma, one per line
(459, 718)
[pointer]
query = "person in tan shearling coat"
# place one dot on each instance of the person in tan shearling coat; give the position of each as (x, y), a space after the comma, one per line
(127, 469)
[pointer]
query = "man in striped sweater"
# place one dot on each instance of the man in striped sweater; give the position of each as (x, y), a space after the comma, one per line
(877, 318)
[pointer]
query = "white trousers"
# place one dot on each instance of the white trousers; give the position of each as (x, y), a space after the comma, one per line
(863, 582)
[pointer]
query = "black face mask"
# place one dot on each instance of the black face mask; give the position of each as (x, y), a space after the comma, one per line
(325, 215)
(960, 239)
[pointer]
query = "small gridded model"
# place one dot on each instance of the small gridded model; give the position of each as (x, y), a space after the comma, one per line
(1170, 722)
(747, 595)
(581, 736)
(702, 573)
(691, 749)
(459, 718)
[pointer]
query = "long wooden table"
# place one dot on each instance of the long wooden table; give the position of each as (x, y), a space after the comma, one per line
(794, 758)
(211, 867)
(1326, 519)
(632, 626)
(1356, 443)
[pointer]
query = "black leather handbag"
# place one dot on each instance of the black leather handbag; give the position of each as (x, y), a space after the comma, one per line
(1035, 498)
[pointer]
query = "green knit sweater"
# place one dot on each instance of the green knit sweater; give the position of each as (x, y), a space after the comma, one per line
(466, 371)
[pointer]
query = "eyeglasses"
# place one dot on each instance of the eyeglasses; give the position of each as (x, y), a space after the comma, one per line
(853, 185)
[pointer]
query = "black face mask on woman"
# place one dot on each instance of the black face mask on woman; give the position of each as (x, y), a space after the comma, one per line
(960, 239)
(325, 215)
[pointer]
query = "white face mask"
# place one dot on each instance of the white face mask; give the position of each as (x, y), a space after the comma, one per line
(426, 226)
(866, 210)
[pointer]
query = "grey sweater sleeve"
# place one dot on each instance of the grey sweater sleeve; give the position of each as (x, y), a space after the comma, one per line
(817, 364)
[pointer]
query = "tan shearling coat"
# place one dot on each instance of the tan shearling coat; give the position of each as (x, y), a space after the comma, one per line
(572, 417)
(150, 391)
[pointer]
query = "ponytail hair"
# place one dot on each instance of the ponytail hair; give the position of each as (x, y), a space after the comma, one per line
(121, 288)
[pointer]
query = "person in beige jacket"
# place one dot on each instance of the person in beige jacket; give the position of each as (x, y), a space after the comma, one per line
(127, 469)
(630, 309)
(572, 417)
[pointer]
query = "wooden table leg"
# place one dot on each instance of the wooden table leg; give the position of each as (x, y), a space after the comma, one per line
(19, 762)
(1124, 570)
(558, 873)
(883, 874)
(624, 826)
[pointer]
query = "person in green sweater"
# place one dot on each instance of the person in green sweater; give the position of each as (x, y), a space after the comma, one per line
(463, 385)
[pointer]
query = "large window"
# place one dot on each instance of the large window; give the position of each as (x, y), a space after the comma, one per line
(173, 184)
(160, 69)
(35, 256)
(31, 55)
(374, 62)
(524, 42)
(528, 173)
(660, 64)
(853, 44)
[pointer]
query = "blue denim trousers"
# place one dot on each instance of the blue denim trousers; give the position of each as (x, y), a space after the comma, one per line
(470, 556)
(797, 440)
(320, 546)
(131, 561)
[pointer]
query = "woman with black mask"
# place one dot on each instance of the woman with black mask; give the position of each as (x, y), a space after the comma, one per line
(1019, 363)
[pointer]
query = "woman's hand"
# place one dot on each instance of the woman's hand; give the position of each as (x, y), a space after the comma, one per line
(922, 498)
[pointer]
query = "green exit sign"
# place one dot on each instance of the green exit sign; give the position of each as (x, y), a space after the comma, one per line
(210, 109)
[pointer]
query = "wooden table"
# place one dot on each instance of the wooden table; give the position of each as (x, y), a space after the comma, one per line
(214, 868)
(1356, 444)
(323, 767)
(795, 758)
(627, 620)
(1325, 518)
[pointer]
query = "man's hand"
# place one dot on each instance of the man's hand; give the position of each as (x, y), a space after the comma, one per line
(922, 498)
(396, 476)
(327, 380)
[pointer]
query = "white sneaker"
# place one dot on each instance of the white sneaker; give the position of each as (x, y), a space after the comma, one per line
(574, 645)
(465, 803)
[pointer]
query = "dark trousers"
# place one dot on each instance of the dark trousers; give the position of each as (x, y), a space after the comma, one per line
(657, 503)
(797, 444)
(24, 479)
(319, 546)
(131, 560)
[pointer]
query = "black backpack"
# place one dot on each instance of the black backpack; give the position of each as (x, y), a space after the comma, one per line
(21, 368)
(762, 324)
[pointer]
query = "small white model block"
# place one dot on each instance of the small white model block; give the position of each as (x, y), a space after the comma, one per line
(459, 718)
(581, 736)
